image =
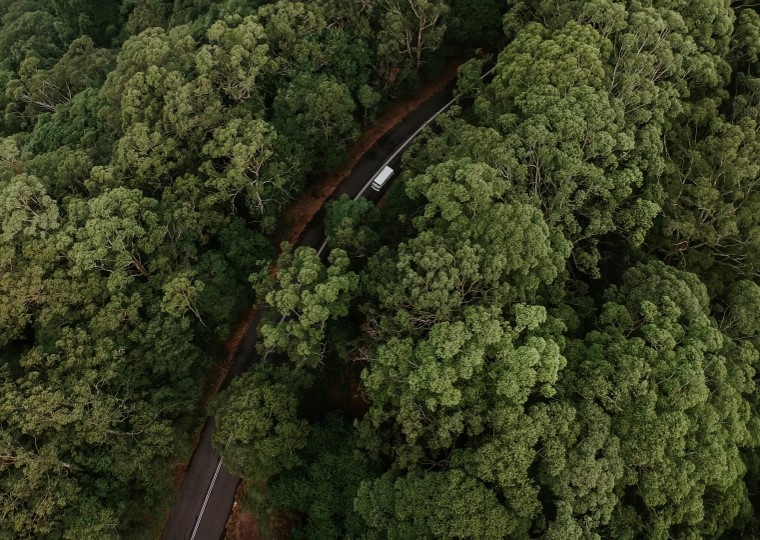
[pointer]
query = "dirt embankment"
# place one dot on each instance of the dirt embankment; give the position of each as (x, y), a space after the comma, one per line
(299, 212)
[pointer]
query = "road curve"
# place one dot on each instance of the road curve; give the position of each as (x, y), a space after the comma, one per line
(205, 498)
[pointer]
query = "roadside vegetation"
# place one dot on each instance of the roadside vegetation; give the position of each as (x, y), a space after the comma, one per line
(147, 148)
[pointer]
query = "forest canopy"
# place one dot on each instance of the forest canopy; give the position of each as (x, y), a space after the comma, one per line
(547, 329)
(554, 333)
(147, 148)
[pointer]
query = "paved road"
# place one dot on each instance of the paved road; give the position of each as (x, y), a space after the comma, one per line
(208, 490)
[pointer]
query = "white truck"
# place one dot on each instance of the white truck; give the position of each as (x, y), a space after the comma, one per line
(381, 178)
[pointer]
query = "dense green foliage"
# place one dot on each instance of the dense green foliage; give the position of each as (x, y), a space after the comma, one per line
(552, 323)
(147, 148)
(549, 330)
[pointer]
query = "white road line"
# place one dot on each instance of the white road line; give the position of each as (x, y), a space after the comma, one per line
(321, 248)
(205, 501)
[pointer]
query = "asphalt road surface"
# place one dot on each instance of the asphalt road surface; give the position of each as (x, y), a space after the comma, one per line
(207, 493)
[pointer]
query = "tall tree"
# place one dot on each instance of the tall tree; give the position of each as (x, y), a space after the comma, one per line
(258, 431)
(306, 296)
(408, 29)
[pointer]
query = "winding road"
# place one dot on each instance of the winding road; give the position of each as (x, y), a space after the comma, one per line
(207, 493)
